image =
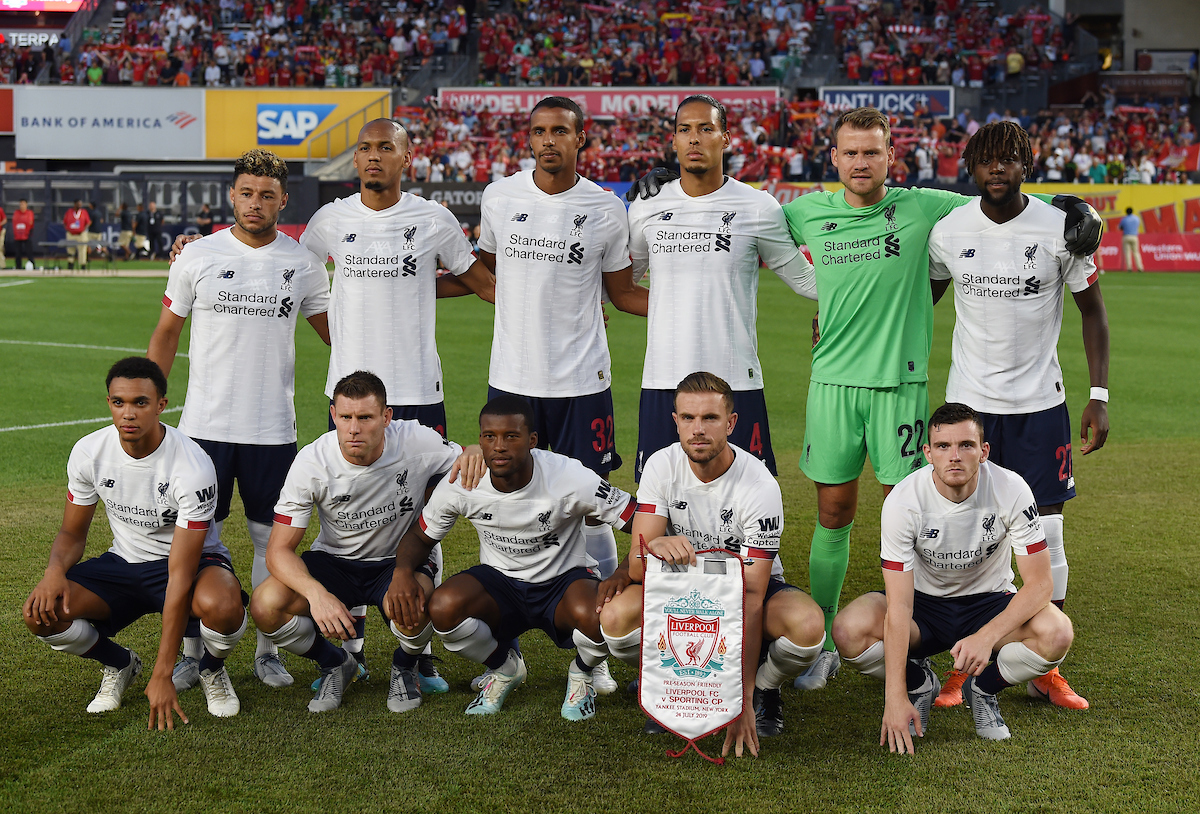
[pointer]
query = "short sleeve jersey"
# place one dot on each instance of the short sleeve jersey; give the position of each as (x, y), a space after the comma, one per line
(703, 256)
(364, 510)
(551, 253)
(872, 267)
(382, 315)
(535, 533)
(244, 304)
(146, 498)
(1008, 302)
(741, 511)
(960, 549)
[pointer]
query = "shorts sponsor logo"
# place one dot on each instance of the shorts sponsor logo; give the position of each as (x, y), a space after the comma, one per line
(693, 645)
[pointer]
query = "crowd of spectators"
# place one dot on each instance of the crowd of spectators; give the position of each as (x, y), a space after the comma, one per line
(652, 42)
(946, 42)
(1098, 141)
(288, 43)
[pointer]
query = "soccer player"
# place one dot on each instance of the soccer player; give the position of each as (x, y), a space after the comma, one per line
(534, 569)
(159, 491)
(1005, 253)
(868, 391)
(386, 246)
(704, 492)
(701, 239)
(557, 243)
(245, 288)
(949, 532)
(367, 479)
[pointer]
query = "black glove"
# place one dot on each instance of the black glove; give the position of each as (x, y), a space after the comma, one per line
(649, 184)
(1084, 226)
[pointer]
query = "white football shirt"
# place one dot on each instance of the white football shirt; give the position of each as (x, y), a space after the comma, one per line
(535, 533)
(1008, 302)
(703, 256)
(244, 304)
(146, 498)
(382, 315)
(551, 252)
(741, 511)
(364, 510)
(960, 549)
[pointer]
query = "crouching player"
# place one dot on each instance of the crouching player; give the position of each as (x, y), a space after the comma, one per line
(949, 531)
(159, 490)
(529, 514)
(704, 492)
(368, 479)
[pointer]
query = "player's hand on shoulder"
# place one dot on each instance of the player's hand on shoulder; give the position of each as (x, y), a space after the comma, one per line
(649, 184)
(1093, 423)
(331, 617)
(1083, 228)
(180, 242)
(612, 587)
(895, 733)
(164, 703)
(676, 550)
(404, 602)
(742, 735)
(42, 604)
(469, 468)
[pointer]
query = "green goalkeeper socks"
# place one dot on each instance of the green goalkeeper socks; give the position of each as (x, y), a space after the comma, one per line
(827, 564)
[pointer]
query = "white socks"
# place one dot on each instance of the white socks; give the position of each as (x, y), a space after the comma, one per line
(220, 645)
(295, 636)
(472, 639)
(1019, 664)
(413, 645)
(627, 648)
(602, 547)
(590, 653)
(1052, 524)
(77, 639)
(869, 662)
(785, 661)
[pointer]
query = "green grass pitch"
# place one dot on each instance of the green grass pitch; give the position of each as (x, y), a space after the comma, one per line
(1131, 540)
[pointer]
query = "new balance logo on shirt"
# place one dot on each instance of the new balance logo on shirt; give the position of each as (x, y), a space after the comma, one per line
(226, 275)
(349, 238)
(665, 216)
(108, 483)
(967, 253)
(520, 217)
(829, 226)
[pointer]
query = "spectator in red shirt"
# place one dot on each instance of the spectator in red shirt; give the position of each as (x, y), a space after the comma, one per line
(22, 220)
(77, 220)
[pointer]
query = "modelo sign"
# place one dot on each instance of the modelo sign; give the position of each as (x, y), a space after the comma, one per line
(601, 103)
(282, 121)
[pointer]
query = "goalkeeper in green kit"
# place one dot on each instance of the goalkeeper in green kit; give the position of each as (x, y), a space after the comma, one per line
(868, 392)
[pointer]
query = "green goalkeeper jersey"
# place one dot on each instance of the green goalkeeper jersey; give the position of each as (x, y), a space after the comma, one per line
(872, 266)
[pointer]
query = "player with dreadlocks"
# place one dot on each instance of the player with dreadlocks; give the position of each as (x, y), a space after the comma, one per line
(1006, 256)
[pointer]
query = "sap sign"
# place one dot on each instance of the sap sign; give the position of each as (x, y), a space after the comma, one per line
(289, 124)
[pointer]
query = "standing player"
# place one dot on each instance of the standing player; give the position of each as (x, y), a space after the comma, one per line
(245, 288)
(701, 239)
(1005, 253)
(534, 569)
(704, 492)
(949, 532)
(159, 492)
(868, 392)
(557, 243)
(367, 479)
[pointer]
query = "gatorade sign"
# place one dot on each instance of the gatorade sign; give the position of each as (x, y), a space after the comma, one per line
(289, 124)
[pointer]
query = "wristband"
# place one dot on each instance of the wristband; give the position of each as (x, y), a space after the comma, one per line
(1100, 394)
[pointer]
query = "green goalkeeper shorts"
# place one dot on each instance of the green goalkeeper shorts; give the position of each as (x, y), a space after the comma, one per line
(845, 424)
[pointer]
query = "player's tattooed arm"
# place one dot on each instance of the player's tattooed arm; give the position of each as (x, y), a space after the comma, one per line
(67, 549)
(1093, 424)
(180, 242)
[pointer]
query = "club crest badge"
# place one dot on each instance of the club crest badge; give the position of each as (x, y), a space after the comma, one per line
(410, 236)
(726, 219)
(287, 280)
(693, 644)
(889, 212)
(577, 231)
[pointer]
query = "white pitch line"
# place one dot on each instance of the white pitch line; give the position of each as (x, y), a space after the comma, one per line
(18, 282)
(73, 423)
(70, 345)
